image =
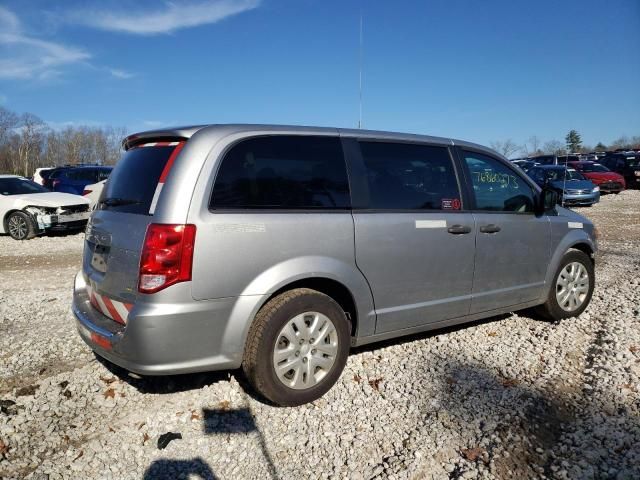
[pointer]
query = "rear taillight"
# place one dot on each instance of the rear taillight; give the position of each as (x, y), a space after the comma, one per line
(86, 192)
(167, 256)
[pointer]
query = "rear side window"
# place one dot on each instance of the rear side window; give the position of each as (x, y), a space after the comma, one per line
(134, 180)
(496, 187)
(283, 172)
(408, 176)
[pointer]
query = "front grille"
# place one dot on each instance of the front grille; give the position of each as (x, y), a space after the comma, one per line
(611, 185)
(69, 209)
(578, 192)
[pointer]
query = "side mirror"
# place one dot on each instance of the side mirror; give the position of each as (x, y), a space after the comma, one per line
(547, 201)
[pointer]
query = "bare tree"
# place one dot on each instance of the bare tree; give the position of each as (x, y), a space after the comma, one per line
(554, 147)
(8, 122)
(622, 142)
(31, 137)
(532, 147)
(506, 148)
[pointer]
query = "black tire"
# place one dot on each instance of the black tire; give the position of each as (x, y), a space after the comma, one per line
(20, 226)
(551, 309)
(258, 364)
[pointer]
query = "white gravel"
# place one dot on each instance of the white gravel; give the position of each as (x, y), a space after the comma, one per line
(512, 397)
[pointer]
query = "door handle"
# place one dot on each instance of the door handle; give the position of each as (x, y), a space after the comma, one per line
(491, 228)
(459, 229)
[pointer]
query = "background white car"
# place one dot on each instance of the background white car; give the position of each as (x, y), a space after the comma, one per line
(37, 175)
(28, 209)
(92, 193)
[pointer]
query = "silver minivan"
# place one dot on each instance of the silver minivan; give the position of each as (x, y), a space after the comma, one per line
(277, 248)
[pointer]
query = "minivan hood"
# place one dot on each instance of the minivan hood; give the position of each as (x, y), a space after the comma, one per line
(572, 216)
(49, 199)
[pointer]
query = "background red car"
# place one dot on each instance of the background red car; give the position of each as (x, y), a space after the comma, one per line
(608, 181)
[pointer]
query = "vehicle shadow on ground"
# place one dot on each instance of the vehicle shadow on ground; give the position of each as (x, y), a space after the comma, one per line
(429, 334)
(536, 425)
(221, 422)
(63, 233)
(165, 384)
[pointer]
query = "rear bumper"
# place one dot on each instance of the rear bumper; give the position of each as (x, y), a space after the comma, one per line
(164, 339)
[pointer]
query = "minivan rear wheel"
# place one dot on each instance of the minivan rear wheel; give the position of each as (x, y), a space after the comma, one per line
(297, 347)
(572, 287)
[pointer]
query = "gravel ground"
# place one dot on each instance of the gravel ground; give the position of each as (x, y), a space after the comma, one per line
(510, 397)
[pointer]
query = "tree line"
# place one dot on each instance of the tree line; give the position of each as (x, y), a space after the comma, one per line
(572, 144)
(27, 142)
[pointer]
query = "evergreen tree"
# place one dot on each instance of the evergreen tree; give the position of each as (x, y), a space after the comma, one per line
(573, 141)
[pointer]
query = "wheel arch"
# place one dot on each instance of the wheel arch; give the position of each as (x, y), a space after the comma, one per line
(5, 219)
(585, 248)
(330, 287)
(575, 240)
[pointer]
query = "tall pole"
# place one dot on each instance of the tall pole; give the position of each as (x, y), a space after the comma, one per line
(360, 74)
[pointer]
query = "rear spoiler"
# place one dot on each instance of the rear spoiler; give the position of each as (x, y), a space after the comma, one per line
(167, 135)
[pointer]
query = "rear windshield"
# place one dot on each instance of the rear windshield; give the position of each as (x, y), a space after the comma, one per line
(133, 182)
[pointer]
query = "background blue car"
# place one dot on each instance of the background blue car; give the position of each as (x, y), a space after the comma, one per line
(74, 179)
(573, 188)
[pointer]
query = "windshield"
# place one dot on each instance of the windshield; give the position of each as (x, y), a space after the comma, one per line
(19, 186)
(594, 167)
(133, 183)
(559, 174)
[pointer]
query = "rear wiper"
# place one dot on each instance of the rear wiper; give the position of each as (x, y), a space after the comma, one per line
(114, 202)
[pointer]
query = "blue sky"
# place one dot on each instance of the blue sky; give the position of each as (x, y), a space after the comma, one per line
(481, 71)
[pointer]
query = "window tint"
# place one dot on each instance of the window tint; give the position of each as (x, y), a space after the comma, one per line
(102, 174)
(287, 172)
(18, 186)
(409, 176)
(134, 179)
(537, 174)
(496, 187)
(82, 174)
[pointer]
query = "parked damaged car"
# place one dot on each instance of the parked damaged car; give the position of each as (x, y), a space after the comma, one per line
(28, 209)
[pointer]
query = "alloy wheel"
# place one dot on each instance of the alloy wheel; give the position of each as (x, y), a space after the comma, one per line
(18, 227)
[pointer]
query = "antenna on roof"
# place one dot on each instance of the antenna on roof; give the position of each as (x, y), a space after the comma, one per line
(360, 74)
(564, 183)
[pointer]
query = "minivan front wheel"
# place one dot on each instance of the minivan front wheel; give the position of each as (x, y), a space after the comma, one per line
(297, 347)
(572, 287)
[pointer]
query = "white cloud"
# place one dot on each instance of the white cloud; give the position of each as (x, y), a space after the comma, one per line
(23, 56)
(173, 16)
(122, 74)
